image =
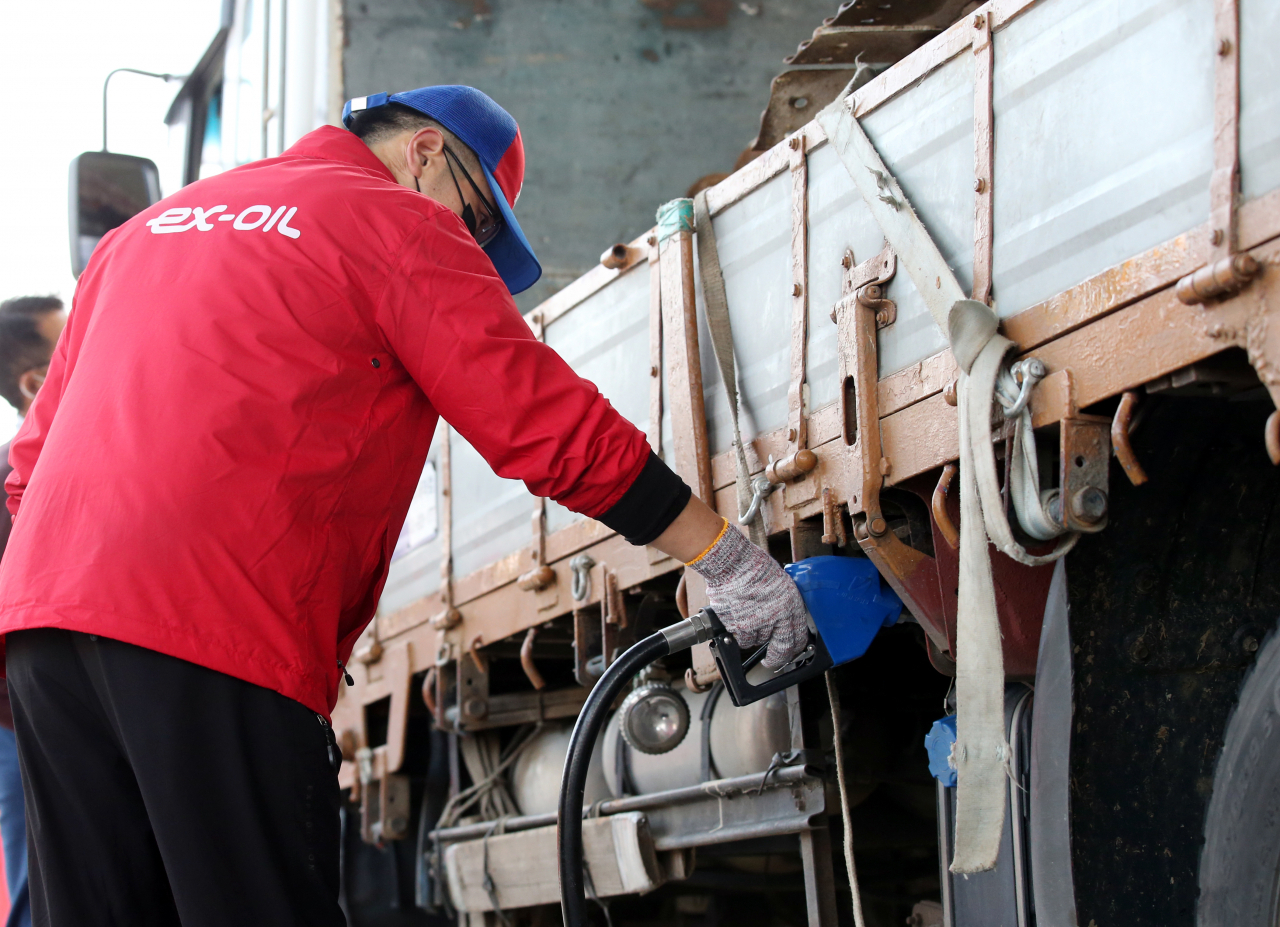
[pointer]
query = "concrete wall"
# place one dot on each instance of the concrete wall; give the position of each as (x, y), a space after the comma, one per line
(623, 104)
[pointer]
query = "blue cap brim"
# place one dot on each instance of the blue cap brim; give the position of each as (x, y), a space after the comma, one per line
(510, 252)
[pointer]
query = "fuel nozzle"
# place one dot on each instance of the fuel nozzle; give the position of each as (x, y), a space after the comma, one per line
(693, 630)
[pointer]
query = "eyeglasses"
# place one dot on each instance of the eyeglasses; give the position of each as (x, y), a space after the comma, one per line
(487, 227)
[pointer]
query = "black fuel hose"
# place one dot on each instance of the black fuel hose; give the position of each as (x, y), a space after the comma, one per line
(582, 743)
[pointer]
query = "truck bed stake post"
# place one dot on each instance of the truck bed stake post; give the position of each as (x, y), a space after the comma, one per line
(983, 156)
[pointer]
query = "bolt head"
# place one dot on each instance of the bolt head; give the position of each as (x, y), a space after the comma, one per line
(797, 290)
(1141, 653)
(1089, 505)
(877, 526)
(1244, 265)
(477, 707)
(1250, 644)
(978, 21)
(1217, 236)
(979, 185)
(1224, 47)
(949, 393)
(847, 261)
(882, 318)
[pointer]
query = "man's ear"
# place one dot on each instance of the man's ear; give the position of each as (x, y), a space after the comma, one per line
(424, 144)
(30, 382)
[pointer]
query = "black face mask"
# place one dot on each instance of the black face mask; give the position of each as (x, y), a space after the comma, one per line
(493, 224)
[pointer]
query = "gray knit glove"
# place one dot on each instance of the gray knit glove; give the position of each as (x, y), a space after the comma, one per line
(754, 599)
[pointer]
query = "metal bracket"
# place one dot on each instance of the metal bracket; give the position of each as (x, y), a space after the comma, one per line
(473, 685)
(1084, 473)
(859, 372)
(885, 310)
(877, 272)
(384, 812)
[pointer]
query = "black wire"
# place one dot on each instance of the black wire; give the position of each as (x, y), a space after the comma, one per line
(709, 771)
(573, 785)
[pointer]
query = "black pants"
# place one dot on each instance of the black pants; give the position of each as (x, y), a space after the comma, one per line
(162, 793)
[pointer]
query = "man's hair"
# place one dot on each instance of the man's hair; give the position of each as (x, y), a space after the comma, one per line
(22, 345)
(31, 305)
(382, 122)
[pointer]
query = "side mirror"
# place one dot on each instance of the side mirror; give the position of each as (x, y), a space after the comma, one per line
(105, 191)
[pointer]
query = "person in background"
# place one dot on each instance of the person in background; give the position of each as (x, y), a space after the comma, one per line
(29, 329)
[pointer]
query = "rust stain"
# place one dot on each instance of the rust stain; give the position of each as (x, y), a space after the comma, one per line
(699, 14)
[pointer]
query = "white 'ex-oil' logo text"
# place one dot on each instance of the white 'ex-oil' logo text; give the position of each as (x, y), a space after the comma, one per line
(183, 219)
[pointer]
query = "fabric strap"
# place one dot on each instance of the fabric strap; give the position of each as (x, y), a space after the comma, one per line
(717, 310)
(981, 750)
(980, 747)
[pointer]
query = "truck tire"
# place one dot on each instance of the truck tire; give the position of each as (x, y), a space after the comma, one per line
(1240, 861)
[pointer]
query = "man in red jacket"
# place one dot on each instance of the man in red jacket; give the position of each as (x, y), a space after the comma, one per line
(208, 489)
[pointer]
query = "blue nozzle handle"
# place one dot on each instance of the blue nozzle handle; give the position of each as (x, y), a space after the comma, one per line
(814, 661)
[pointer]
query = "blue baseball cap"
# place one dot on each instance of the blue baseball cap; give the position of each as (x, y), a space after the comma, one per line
(491, 132)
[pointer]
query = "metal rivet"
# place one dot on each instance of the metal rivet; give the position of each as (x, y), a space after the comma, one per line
(1250, 645)
(653, 371)
(375, 362)
(847, 261)
(797, 290)
(1216, 236)
(978, 21)
(795, 143)
(949, 393)
(979, 185)
(1224, 47)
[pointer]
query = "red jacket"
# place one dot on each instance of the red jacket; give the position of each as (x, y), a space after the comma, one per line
(235, 419)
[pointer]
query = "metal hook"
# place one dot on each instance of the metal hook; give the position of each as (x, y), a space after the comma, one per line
(760, 487)
(581, 566)
(1026, 373)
